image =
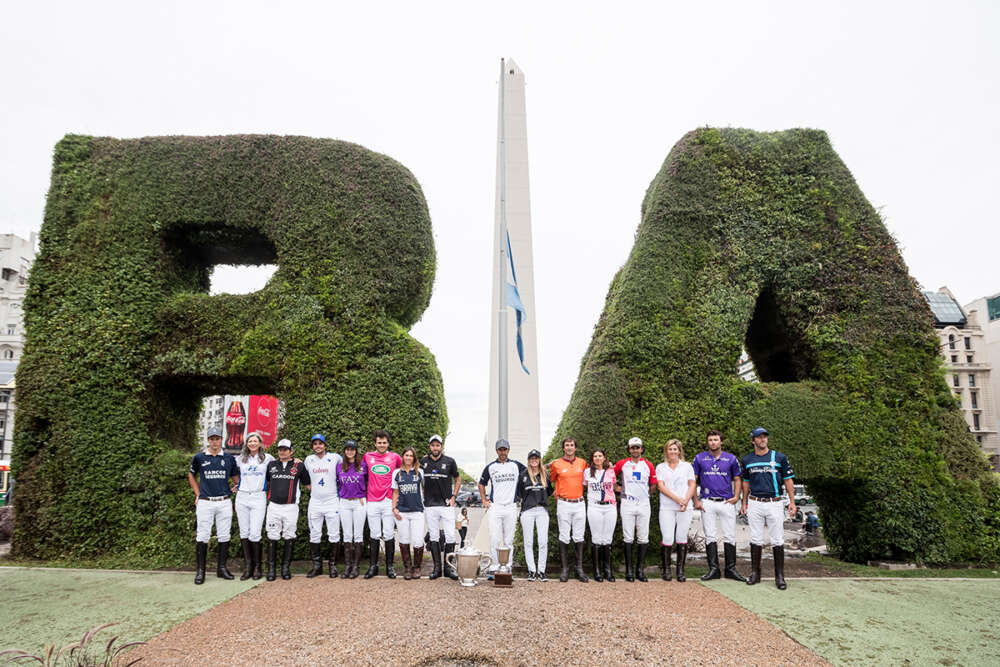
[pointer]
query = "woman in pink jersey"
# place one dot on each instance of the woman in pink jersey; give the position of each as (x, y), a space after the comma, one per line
(381, 464)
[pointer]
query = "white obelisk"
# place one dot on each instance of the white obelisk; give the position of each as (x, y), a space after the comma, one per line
(513, 211)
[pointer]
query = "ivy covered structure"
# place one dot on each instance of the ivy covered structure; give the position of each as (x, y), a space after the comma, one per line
(764, 240)
(123, 339)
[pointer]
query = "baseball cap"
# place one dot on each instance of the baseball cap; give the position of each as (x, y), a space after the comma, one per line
(284, 442)
(350, 444)
(320, 437)
(760, 430)
(214, 432)
(635, 441)
(435, 437)
(534, 452)
(502, 444)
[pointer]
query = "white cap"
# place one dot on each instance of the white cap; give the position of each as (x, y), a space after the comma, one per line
(436, 437)
(634, 441)
(285, 442)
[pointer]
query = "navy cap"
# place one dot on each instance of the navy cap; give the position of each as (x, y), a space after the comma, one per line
(760, 430)
(350, 444)
(533, 453)
(318, 436)
(502, 444)
(214, 432)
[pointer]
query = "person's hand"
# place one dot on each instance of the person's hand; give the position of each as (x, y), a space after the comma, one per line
(297, 460)
(451, 501)
(683, 506)
(698, 505)
(743, 508)
(399, 517)
(733, 500)
(486, 503)
(791, 509)
(196, 501)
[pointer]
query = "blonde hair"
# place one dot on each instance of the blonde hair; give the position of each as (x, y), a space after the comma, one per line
(541, 473)
(680, 448)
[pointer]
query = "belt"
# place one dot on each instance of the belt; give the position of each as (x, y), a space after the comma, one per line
(249, 493)
(604, 502)
(215, 498)
(571, 500)
(717, 498)
(765, 500)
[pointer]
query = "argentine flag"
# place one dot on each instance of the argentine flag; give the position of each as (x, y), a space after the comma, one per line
(514, 301)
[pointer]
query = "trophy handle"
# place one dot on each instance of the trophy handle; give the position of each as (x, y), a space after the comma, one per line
(450, 559)
(489, 562)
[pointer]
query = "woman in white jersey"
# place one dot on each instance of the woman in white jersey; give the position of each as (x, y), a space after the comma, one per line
(251, 503)
(675, 479)
(602, 512)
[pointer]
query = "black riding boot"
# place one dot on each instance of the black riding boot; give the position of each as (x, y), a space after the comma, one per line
(390, 558)
(755, 552)
(665, 562)
(317, 560)
(596, 555)
(404, 555)
(779, 567)
(436, 557)
(609, 570)
(247, 559)
(640, 562)
(712, 556)
(449, 571)
(373, 547)
(731, 572)
(334, 555)
(272, 547)
(221, 571)
(580, 574)
(682, 552)
(286, 559)
(564, 558)
(258, 559)
(200, 556)
(629, 574)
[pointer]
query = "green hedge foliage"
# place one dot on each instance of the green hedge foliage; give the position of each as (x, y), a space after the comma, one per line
(765, 239)
(123, 340)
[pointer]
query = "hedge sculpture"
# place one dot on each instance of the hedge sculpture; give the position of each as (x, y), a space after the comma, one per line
(123, 339)
(765, 240)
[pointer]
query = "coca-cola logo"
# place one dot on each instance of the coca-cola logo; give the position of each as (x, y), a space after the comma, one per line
(264, 412)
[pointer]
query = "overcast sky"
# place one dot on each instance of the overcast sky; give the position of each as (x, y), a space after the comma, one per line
(907, 91)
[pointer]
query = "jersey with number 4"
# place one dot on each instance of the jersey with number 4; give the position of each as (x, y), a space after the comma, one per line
(323, 473)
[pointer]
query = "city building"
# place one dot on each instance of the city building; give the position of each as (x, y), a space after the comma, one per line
(984, 313)
(968, 366)
(16, 256)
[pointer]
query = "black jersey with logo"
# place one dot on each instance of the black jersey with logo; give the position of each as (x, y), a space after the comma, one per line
(439, 479)
(283, 481)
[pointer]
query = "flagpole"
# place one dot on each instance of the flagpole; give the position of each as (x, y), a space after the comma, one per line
(502, 379)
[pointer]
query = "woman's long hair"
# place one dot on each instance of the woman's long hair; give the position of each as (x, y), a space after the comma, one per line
(355, 462)
(541, 473)
(416, 461)
(245, 451)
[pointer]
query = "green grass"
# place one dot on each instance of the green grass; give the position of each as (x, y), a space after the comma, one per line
(855, 570)
(42, 607)
(851, 622)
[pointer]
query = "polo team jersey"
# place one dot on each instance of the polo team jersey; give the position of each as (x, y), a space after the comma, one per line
(380, 468)
(600, 486)
(252, 473)
(637, 476)
(352, 483)
(502, 478)
(766, 473)
(568, 477)
(408, 483)
(284, 480)
(439, 479)
(213, 473)
(323, 473)
(715, 475)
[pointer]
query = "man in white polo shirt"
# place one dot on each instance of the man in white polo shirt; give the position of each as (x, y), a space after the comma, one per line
(501, 504)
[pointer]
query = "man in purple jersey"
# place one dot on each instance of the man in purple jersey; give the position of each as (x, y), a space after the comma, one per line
(718, 474)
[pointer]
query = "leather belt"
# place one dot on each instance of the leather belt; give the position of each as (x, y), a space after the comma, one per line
(214, 498)
(717, 498)
(604, 502)
(766, 500)
(571, 500)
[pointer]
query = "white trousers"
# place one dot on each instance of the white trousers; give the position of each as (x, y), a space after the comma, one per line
(214, 512)
(411, 528)
(760, 515)
(717, 514)
(602, 520)
(441, 517)
(352, 519)
(536, 517)
(327, 511)
(250, 509)
(572, 518)
(282, 521)
(501, 519)
(674, 523)
(381, 522)
(635, 522)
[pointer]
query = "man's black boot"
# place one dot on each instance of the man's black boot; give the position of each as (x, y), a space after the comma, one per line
(640, 562)
(755, 552)
(272, 548)
(731, 572)
(580, 574)
(286, 559)
(200, 557)
(436, 557)
(779, 567)
(221, 571)
(564, 558)
(449, 571)
(629, 575)
(334, 555)
(373, 547)
(317, 560)
(390, 558)
(712, 556)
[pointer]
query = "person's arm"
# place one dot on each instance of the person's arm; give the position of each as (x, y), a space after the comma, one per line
(688, 495)
(455, 488)
(737, 489)
(395, 500)
(746, 496)
(790, 488)
(194, 487)
(483, 479)
(662, 486)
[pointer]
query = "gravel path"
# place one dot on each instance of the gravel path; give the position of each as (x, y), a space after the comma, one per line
(319, 621)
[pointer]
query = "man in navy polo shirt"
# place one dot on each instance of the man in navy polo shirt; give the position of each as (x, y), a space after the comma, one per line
(765, 471)
(215, 469)
(720, 478)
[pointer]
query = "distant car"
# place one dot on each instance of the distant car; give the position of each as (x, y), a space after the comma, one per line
(468, 499)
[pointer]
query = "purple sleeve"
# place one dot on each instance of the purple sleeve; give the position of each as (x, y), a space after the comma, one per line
(696, 467)
(736, 470)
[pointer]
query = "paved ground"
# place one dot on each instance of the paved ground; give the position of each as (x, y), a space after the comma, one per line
(305, 621)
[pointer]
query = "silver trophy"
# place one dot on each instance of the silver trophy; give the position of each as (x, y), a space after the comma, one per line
(469, 563)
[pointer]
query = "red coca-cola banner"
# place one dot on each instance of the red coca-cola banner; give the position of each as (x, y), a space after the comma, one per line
(263, 417)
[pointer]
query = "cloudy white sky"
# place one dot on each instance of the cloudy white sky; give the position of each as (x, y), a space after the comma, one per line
(908, 92)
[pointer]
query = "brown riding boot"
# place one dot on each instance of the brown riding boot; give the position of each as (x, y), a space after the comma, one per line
(418, 562)
(404, 554)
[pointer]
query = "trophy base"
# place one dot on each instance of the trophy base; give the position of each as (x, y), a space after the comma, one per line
(503, 579)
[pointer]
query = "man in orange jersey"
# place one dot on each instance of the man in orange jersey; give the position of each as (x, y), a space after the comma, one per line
(571, 512)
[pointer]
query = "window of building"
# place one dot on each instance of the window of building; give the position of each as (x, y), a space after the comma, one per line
(968, 343)
(954, 381)
(993, 307)
(8, 354)
(975, 421)
(951, 341)
(972, 380)
(954, 358)
(979, 439)
(974, 399)
(968, 358)
(11, 329)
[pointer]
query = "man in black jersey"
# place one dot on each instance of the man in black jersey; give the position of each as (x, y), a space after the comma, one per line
(441, 484)
(284, 477)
